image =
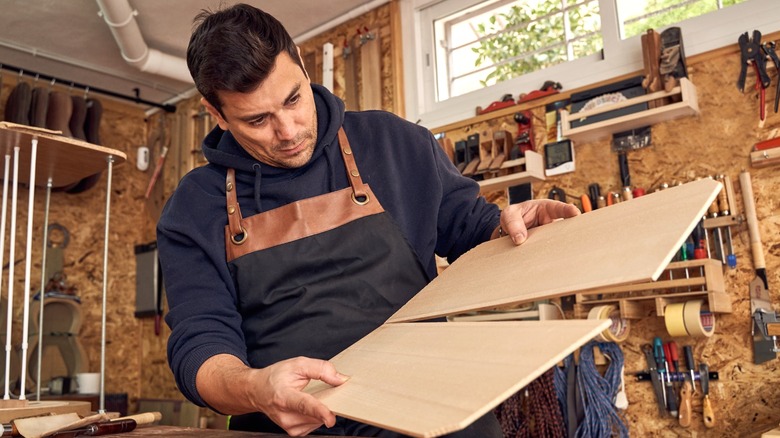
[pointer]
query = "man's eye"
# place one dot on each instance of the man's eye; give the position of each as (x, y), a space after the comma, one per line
(257, 122)
(293, 100)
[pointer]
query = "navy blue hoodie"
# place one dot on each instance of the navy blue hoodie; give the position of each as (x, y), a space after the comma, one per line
(438, 211)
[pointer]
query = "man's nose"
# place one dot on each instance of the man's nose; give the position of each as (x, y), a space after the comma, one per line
(285, 127)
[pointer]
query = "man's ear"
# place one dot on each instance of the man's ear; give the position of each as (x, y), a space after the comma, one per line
(303, 66)
(214, 113)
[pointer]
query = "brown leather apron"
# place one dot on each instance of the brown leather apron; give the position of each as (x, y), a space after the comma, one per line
(316, 275)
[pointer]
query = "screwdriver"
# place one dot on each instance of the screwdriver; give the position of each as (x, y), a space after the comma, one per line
(660, 359)
(690, 364)
(674, 354)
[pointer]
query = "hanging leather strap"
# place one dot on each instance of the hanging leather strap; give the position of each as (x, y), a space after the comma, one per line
(360, 196)
(238, 233)
(359, 193)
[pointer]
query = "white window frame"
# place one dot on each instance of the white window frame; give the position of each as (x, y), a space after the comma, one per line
(700, 34)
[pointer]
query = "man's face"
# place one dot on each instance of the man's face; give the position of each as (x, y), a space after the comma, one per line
(277, 122)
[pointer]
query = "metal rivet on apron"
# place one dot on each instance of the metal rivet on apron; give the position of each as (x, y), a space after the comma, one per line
(231, 209)
(347, 151)
(229, 186)
(354, 173)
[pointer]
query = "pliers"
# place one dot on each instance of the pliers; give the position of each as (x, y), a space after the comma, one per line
(769, 49)
(750, 50)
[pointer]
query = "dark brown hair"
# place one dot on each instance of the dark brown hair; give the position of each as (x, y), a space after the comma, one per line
(234, 49)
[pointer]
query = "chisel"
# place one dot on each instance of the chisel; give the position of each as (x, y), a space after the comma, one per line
(764, 346)
(707, 413)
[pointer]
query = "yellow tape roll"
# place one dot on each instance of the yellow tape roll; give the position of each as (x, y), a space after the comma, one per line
(675, 322)
(618, 331)
(688, 319)
(698, 321)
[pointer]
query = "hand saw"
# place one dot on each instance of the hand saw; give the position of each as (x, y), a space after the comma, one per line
(765, 323)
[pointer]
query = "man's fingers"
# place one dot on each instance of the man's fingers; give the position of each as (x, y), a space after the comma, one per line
(309, 406)
(329, 375)
(518, 218)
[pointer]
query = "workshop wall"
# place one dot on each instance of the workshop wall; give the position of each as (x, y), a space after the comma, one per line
(129, 341)
(718, 141)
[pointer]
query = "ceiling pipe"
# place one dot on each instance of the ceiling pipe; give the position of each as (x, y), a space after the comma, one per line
(120, 18)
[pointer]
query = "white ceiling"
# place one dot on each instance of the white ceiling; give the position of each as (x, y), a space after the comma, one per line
(67, 39)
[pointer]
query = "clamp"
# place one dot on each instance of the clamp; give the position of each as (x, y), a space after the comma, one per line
(750, 52)
(769, 50)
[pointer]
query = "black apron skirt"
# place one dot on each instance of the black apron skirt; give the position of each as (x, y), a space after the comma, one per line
(315, 276)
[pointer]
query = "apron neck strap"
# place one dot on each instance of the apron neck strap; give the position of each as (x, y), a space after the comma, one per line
(360, 195)
(358, 188)
(237, 232)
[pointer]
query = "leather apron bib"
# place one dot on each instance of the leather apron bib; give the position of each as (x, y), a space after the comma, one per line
(316, 275)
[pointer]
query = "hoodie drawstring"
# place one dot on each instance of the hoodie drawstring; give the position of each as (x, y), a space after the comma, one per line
(332, 175)
(258, 183)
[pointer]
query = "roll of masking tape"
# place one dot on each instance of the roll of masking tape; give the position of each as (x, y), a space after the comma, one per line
(689, 319)
(698, 321)
(619, 328)
(675, 322)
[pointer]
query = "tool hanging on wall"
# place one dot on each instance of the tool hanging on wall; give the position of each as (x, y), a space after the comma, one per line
(370, 70)
(751, 55)
(766, 325)
(769, 49)
(158, 168)
(327, 66)
(351, 100)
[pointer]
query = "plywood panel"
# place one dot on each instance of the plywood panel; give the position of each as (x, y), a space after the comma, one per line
(428, 379)
(626, 243)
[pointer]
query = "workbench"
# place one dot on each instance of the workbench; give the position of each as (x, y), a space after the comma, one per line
(186, 432)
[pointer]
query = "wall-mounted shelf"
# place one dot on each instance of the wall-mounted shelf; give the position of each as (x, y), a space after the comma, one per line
(44, 158)
(527, 169)
(65, 160)
(685, 104)
(680, 281)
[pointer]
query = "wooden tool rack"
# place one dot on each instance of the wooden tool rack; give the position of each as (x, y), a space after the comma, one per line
(679, 282)
(529, 168)
(684, 103)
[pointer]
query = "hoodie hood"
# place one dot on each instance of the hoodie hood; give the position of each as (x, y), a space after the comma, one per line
(221, 148)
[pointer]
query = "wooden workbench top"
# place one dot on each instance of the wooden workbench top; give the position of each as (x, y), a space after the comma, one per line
(186, 432)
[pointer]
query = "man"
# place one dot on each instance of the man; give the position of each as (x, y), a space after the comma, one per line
(308, 228)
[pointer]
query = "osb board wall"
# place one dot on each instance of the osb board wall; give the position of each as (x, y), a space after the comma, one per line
(380, 21)
(134, 355)
(718, 141)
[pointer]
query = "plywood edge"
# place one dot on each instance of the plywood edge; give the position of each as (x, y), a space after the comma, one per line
(620, 238)
(435, 354)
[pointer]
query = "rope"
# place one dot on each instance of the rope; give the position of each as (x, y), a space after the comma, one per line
(598, 393)
(561, 387)
(534, 412)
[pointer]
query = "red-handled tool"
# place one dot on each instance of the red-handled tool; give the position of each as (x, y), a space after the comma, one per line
(157, 170)
(660, 357)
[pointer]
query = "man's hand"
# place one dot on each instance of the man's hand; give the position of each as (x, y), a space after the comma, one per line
(516, 219)
(231, 387)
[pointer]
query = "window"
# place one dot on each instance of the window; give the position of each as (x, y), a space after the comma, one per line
(636, 16)
(495, 41)
(468, 53)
